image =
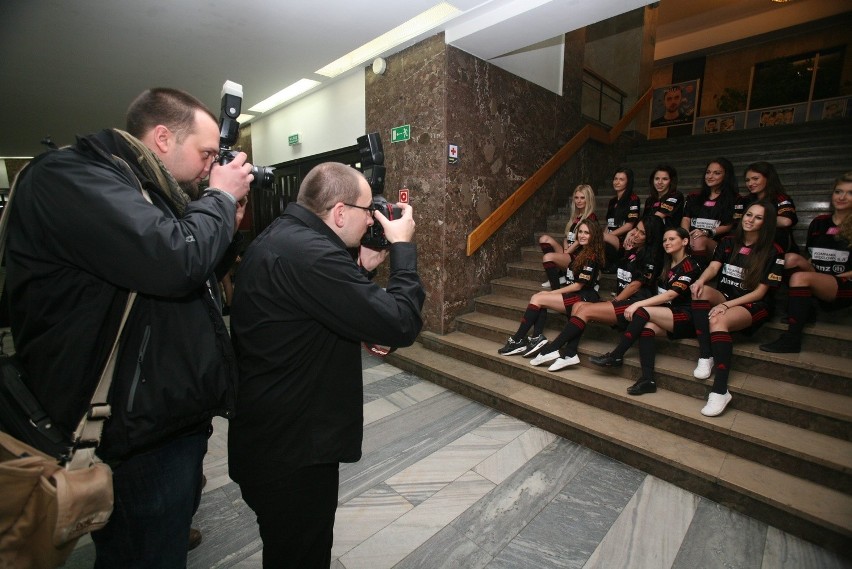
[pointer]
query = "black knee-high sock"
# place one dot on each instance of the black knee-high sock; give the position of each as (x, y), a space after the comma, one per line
(798, 309)
(538, 326)
(573, 329)
(723, 350)
(634, 330)
(569, 350)
(647, 353)
(701, 319)
(527, 320)
(546, 247)
(553, 273)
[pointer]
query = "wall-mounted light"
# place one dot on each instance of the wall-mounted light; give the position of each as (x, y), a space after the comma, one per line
(379, 66)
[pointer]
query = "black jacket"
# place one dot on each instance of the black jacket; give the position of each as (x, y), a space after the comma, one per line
(81, 235)
(300, 311)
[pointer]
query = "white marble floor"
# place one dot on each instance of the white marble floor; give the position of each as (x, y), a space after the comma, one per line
(447, 482)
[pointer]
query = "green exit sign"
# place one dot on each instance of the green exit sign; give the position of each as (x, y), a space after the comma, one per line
(293, 139)
(401, 133)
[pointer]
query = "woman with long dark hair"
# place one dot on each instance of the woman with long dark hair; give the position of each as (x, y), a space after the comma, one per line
(583, 273)
(637, 273)
(828, 274)
(749, 265)
(622, 213)
(667, 311)
(763, 183)
(557, 256)
(664, 201)
(709, 214)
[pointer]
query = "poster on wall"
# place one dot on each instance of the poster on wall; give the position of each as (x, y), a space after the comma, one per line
(674, 104)
(720, 123)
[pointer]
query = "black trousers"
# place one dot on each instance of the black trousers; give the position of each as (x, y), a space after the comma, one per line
(296, 516)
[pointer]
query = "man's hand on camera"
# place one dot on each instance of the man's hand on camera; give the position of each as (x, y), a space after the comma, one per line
(232, 178)
(371, 258)
(399, 230)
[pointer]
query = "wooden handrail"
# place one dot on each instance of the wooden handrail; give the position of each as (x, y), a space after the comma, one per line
(499, 216)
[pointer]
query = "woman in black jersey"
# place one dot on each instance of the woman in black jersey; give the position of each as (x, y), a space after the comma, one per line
(557, 256)
(763, 183)
(828, 274)
(664, 201)
(582, 285)
(622, 213)
(637, 273)
(748, 264)
(709, 213)
(669, 310)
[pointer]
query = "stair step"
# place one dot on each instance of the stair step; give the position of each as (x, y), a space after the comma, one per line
(821, 371)
(791, 503)
(801, 406)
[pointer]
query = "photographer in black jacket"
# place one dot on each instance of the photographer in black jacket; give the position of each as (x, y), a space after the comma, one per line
(302, 307)
(89, 223)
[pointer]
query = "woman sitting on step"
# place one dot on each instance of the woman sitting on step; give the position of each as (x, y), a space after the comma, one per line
(763, 183)
(749, 266)
(668, 311)
(709, 213)
(828, 275)
(637, 273)
(622, 215)
(664, 201)
(583, 272)
(557, 256)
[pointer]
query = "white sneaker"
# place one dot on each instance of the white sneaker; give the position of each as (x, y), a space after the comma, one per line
(704, 368)
(545, 284)
(544, 358)
(562, 363)
(716, 403)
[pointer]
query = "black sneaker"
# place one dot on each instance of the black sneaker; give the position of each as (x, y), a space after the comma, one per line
(535, 346)
(606, 360)
(642, 386)
(513, 346)
(786, 344)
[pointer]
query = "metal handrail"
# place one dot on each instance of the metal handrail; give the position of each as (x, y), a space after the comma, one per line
(499, 216)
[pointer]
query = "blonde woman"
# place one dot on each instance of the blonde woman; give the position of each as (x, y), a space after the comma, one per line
(557, 256)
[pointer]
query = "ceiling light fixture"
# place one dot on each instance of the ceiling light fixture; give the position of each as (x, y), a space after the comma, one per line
(284, 95)
(417, 25)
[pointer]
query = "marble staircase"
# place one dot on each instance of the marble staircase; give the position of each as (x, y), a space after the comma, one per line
(782, 451)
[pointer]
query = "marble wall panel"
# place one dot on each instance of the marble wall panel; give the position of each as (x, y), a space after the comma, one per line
(506, 128)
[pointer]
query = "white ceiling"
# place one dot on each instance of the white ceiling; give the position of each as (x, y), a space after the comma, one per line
(69, 67)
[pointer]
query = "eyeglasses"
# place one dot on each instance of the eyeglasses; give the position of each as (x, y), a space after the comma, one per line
(369, 209)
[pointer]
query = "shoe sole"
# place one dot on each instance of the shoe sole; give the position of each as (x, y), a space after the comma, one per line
(542, 362)
(607, 364)
(513, 352)
(560, 367)
(642, 391)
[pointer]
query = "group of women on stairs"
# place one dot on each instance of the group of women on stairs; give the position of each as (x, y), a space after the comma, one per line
(666, 259)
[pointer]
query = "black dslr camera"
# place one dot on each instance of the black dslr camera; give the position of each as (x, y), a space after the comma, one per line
(229, 131)
(372, 165)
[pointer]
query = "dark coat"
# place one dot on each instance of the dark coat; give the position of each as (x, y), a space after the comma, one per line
(81, 235)
(301, 309)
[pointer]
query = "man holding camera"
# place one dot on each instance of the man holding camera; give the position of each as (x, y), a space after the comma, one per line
(90, 223)
(302, 308)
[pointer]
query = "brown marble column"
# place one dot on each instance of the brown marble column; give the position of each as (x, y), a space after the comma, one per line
(504, 127)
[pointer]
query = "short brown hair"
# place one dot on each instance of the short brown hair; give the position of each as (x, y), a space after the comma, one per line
(170, 107)
(329, 183)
